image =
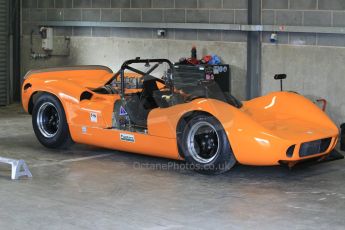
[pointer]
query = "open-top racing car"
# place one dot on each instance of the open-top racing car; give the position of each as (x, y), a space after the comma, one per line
(142, 109)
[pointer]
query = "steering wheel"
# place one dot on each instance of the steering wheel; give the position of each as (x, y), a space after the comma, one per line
(110, 89)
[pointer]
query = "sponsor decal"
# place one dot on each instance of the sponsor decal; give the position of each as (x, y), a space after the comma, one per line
(127, 137)
(83, 129)
(122, 111)
(93, 117)
(220, 69)
(216, 69)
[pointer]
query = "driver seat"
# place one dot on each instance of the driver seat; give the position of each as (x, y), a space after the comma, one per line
(136, 111)
(139, 105)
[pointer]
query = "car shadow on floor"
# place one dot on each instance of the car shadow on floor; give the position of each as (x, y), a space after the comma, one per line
(143, 162)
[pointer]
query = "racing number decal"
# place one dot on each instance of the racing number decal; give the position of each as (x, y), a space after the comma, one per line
(127, 137)
(93, 117)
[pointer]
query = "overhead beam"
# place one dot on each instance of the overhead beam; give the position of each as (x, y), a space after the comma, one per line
(200, 26)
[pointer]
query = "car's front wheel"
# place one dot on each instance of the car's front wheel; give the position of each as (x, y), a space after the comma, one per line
(50, 123)
(205, 145)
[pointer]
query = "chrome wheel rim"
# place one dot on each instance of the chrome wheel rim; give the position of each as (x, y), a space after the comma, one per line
(203, 142)
(48, 120)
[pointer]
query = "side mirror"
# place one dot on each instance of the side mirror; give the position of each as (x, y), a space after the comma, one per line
(280, 77)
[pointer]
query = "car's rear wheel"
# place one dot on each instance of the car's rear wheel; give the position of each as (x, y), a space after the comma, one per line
(205, 145)
(49, 122)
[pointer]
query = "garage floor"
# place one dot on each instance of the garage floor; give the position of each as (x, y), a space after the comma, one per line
(89, 188)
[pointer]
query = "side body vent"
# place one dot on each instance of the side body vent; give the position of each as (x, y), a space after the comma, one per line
(86, 96)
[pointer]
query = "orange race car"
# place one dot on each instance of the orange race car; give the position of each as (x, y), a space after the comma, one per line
(142, 109)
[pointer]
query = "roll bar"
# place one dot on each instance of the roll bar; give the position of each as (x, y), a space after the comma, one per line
(126, 65)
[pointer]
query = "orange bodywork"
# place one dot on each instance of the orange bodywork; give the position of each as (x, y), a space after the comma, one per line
(259, 133)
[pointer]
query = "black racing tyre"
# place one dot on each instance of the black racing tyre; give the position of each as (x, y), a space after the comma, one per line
(50, 123)
(205, 146)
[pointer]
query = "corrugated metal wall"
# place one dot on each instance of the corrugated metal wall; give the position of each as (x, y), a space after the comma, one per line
(4, 52)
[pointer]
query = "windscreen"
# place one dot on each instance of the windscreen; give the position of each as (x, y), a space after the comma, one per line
(151, 69)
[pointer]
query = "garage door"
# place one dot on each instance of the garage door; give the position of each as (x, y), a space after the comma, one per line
(4, 48)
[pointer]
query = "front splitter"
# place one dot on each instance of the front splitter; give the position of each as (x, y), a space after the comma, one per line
(333, 156)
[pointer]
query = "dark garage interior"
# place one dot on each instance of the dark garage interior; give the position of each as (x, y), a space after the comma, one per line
(172, 114)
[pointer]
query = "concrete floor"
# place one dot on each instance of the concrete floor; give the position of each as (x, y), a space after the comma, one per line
(90, 188)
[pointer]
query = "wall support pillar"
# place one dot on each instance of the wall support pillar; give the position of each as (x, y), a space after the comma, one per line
(254, 51)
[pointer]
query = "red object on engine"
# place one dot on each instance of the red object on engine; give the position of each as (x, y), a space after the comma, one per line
(207, 59)
(193, 59)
